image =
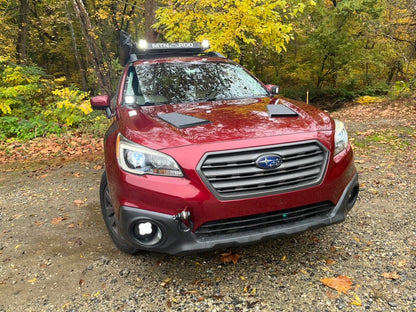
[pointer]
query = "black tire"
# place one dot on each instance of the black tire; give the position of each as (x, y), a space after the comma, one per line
(110, 219)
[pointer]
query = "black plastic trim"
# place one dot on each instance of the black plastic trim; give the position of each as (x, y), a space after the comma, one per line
(280, 110)
(180, 242)
(181, 121)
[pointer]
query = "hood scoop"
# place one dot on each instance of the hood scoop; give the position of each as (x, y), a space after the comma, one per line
(280, 110)
(182, 121)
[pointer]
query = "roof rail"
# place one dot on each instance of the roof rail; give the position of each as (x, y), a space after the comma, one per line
(130, 51)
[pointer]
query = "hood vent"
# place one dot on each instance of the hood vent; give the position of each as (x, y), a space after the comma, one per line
(280, 110)
(181, 121)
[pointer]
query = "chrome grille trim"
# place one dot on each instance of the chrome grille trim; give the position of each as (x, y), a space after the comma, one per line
(233, 174)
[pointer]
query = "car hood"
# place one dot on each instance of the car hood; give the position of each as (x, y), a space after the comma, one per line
(217, 121)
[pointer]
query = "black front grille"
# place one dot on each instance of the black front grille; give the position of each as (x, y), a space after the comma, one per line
(264, 220)
(233, 174)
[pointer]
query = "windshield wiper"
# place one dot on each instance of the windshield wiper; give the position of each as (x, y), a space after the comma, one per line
(152, 104)
(211, 99)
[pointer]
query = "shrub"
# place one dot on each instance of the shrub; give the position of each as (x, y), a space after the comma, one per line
(69, 107)
(33, 104)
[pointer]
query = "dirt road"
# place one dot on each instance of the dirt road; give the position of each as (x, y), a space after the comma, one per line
(55, 253)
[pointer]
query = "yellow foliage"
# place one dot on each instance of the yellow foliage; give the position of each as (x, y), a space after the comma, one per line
(73, 100)
(365, 100)
(5, 107)
(60, 80)
(229, 24)
(103, 14)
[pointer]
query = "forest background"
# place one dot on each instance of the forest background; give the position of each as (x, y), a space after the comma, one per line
(55, 54)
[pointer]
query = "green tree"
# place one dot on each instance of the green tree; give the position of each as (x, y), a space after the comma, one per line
(336, 46)
(398, 31)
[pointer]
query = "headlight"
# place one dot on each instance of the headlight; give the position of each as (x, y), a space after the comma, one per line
(340, 137)
(137, 159)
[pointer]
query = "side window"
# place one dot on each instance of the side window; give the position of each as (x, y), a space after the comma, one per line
(132, 94)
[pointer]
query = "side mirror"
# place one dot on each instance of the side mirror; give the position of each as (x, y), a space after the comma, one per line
(273, 89)
(102, 102)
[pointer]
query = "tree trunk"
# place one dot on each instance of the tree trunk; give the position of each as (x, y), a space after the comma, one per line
(84, 81)
(150, 7)
(21, 47)
(96, 55)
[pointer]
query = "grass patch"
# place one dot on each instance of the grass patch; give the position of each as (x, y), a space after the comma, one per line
(391, 139)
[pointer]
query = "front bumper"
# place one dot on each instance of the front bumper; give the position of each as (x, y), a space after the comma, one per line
(177, 241)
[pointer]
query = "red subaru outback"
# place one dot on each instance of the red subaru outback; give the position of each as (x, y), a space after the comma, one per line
(202, 155)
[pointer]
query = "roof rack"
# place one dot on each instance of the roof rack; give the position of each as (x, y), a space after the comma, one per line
(130, 51)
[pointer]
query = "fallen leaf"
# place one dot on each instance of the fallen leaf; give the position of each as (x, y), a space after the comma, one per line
(217, 297)
(191, 291)
(391, 275)
(402, 263)
(356, 301)
(57, 220)
(314, 239)
(166, 282)
(340, 283)
(78, 202)
(249, 289)
(66, 305)
(330, 261)
(230, 257)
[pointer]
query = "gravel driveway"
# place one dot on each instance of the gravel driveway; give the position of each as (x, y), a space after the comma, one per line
(56, 255)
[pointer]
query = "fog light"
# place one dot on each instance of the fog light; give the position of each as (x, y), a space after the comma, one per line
(147, 232)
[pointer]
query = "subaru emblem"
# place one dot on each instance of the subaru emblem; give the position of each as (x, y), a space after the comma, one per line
(271, 161)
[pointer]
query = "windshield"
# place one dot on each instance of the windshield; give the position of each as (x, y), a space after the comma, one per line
(185, 82)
